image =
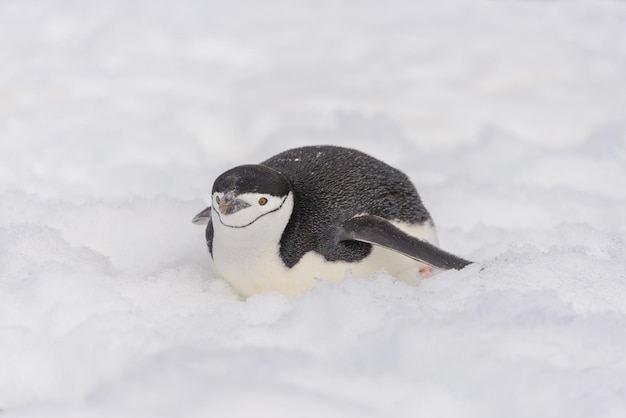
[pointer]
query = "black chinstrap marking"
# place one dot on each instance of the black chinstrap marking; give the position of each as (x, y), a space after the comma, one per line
(254, 220)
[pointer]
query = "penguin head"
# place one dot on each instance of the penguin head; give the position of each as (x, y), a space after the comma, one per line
(244, 195)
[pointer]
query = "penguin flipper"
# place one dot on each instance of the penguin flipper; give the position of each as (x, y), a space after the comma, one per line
(203, 217)
(379, 231)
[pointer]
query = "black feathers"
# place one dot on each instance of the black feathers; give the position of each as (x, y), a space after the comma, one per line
(252, 179)
(333, 184)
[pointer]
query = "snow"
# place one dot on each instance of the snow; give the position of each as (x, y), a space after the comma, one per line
(116, 116)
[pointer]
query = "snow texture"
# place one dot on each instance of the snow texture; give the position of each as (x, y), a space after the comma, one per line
(116, 116)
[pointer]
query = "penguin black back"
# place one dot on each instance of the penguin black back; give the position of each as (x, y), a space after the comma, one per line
(333, 184)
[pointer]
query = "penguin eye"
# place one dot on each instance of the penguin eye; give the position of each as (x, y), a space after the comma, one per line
(262, 201)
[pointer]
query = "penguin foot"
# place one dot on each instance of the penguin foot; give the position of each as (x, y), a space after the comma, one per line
(425, 271)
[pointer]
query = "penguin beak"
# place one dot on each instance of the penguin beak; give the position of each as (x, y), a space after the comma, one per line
(203, 217)
(229, 204)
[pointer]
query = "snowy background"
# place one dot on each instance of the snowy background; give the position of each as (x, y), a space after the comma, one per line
(116, 116)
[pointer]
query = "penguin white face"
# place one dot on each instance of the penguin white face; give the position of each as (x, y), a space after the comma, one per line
(242, 210)
(243, 195)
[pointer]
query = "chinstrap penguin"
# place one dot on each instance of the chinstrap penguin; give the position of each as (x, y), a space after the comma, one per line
(313, 213)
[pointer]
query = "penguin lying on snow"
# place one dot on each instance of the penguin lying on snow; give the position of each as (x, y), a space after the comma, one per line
(314, 212)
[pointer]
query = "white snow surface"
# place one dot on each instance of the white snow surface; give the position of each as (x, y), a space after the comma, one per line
(116, 116)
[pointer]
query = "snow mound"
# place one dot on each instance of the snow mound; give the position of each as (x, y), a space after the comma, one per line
(116, 117)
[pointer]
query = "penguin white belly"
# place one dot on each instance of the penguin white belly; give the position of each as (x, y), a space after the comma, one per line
(253, 269)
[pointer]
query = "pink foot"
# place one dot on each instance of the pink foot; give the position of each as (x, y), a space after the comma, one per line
(425, 271)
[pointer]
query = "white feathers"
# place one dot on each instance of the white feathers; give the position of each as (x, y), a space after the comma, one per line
(257, 205)
(246, 243)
